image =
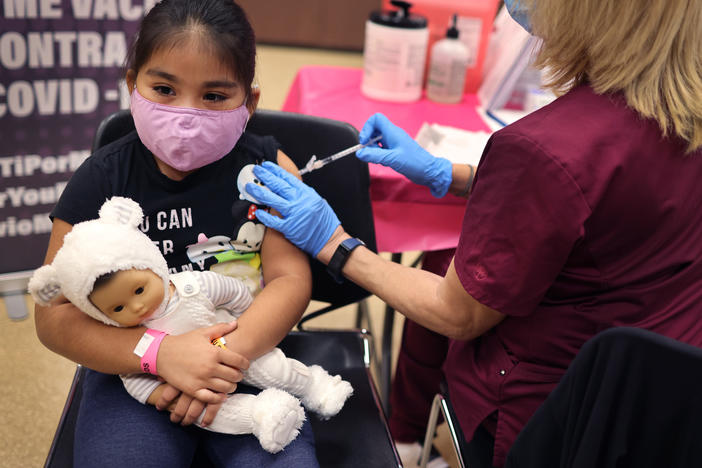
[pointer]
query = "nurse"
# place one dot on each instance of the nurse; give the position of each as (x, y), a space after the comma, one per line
(584, 215)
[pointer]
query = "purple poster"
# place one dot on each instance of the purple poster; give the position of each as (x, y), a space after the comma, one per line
(61, 73)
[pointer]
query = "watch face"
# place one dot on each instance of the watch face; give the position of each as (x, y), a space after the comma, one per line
(351, 243)
(340, 256)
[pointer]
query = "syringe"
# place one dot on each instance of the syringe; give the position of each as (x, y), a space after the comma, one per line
(313, 164)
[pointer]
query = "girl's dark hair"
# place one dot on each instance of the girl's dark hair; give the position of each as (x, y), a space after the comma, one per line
(222, 22)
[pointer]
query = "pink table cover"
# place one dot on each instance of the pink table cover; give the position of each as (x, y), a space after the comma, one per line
(407, 217)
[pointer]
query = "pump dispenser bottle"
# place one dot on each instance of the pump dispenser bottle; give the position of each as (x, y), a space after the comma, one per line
(394, 54)
(447, 68)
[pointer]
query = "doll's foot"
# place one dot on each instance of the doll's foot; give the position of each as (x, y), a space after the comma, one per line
(277, 417)
(325, 394)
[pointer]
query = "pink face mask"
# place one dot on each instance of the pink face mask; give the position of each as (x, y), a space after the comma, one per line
(187, 138)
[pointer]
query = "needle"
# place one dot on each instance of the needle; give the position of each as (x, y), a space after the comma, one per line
(313, 164)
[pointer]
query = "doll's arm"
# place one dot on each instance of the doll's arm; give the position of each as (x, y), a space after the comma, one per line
(227, 293)
(140, 386)
(154, 397)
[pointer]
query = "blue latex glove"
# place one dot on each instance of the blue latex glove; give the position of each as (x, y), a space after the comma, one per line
(404, 155)
(307, 219)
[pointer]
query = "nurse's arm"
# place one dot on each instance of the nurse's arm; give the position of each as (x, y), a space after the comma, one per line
(462, 179)
(439, 304)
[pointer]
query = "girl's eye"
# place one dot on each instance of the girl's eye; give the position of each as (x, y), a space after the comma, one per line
(214, 97)
(164, 90)
(118, 309)
(139, 291)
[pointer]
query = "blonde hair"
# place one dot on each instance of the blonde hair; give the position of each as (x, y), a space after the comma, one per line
(650, 50)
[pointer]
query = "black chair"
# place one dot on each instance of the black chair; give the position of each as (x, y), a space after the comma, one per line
(358, 435)
(630, 398)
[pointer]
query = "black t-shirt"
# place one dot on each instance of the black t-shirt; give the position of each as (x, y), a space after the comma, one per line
(198, 222)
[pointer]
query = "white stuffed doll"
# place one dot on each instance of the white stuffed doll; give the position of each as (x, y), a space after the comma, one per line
(114, 273)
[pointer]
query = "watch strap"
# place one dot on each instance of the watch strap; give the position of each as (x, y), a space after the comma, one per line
(338, 260)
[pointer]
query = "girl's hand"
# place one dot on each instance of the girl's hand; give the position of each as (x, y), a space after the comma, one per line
(167, 397)
(189, 409)
(210, 413)
(184, 408)
(192, 364)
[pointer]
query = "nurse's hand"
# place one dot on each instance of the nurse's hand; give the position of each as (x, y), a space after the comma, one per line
(307, 219)
(404, 155)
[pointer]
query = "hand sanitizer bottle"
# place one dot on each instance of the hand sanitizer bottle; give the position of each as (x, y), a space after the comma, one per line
(447, 68)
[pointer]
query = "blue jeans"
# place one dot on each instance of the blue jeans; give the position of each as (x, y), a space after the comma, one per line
(114, 430)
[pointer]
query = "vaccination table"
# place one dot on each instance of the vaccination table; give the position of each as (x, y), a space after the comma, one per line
(407, 217)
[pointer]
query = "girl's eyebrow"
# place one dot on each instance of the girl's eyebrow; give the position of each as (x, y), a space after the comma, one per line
(221, 84)
(208, 84)
(162, 74)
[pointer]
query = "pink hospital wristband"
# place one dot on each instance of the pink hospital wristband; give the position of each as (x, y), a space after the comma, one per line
(147, 350)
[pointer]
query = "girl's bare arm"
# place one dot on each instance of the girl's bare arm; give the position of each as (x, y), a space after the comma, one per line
(281, 303)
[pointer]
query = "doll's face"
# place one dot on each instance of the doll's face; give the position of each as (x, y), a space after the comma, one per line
(130, 296)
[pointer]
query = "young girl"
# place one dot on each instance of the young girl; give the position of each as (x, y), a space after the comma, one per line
(190, 75)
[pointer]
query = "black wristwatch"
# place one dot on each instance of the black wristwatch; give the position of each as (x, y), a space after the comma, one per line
(340, 257)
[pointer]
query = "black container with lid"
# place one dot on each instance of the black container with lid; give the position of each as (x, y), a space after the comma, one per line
(401, 18)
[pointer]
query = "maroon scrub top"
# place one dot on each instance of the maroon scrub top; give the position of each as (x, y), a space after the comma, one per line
(583, 216)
